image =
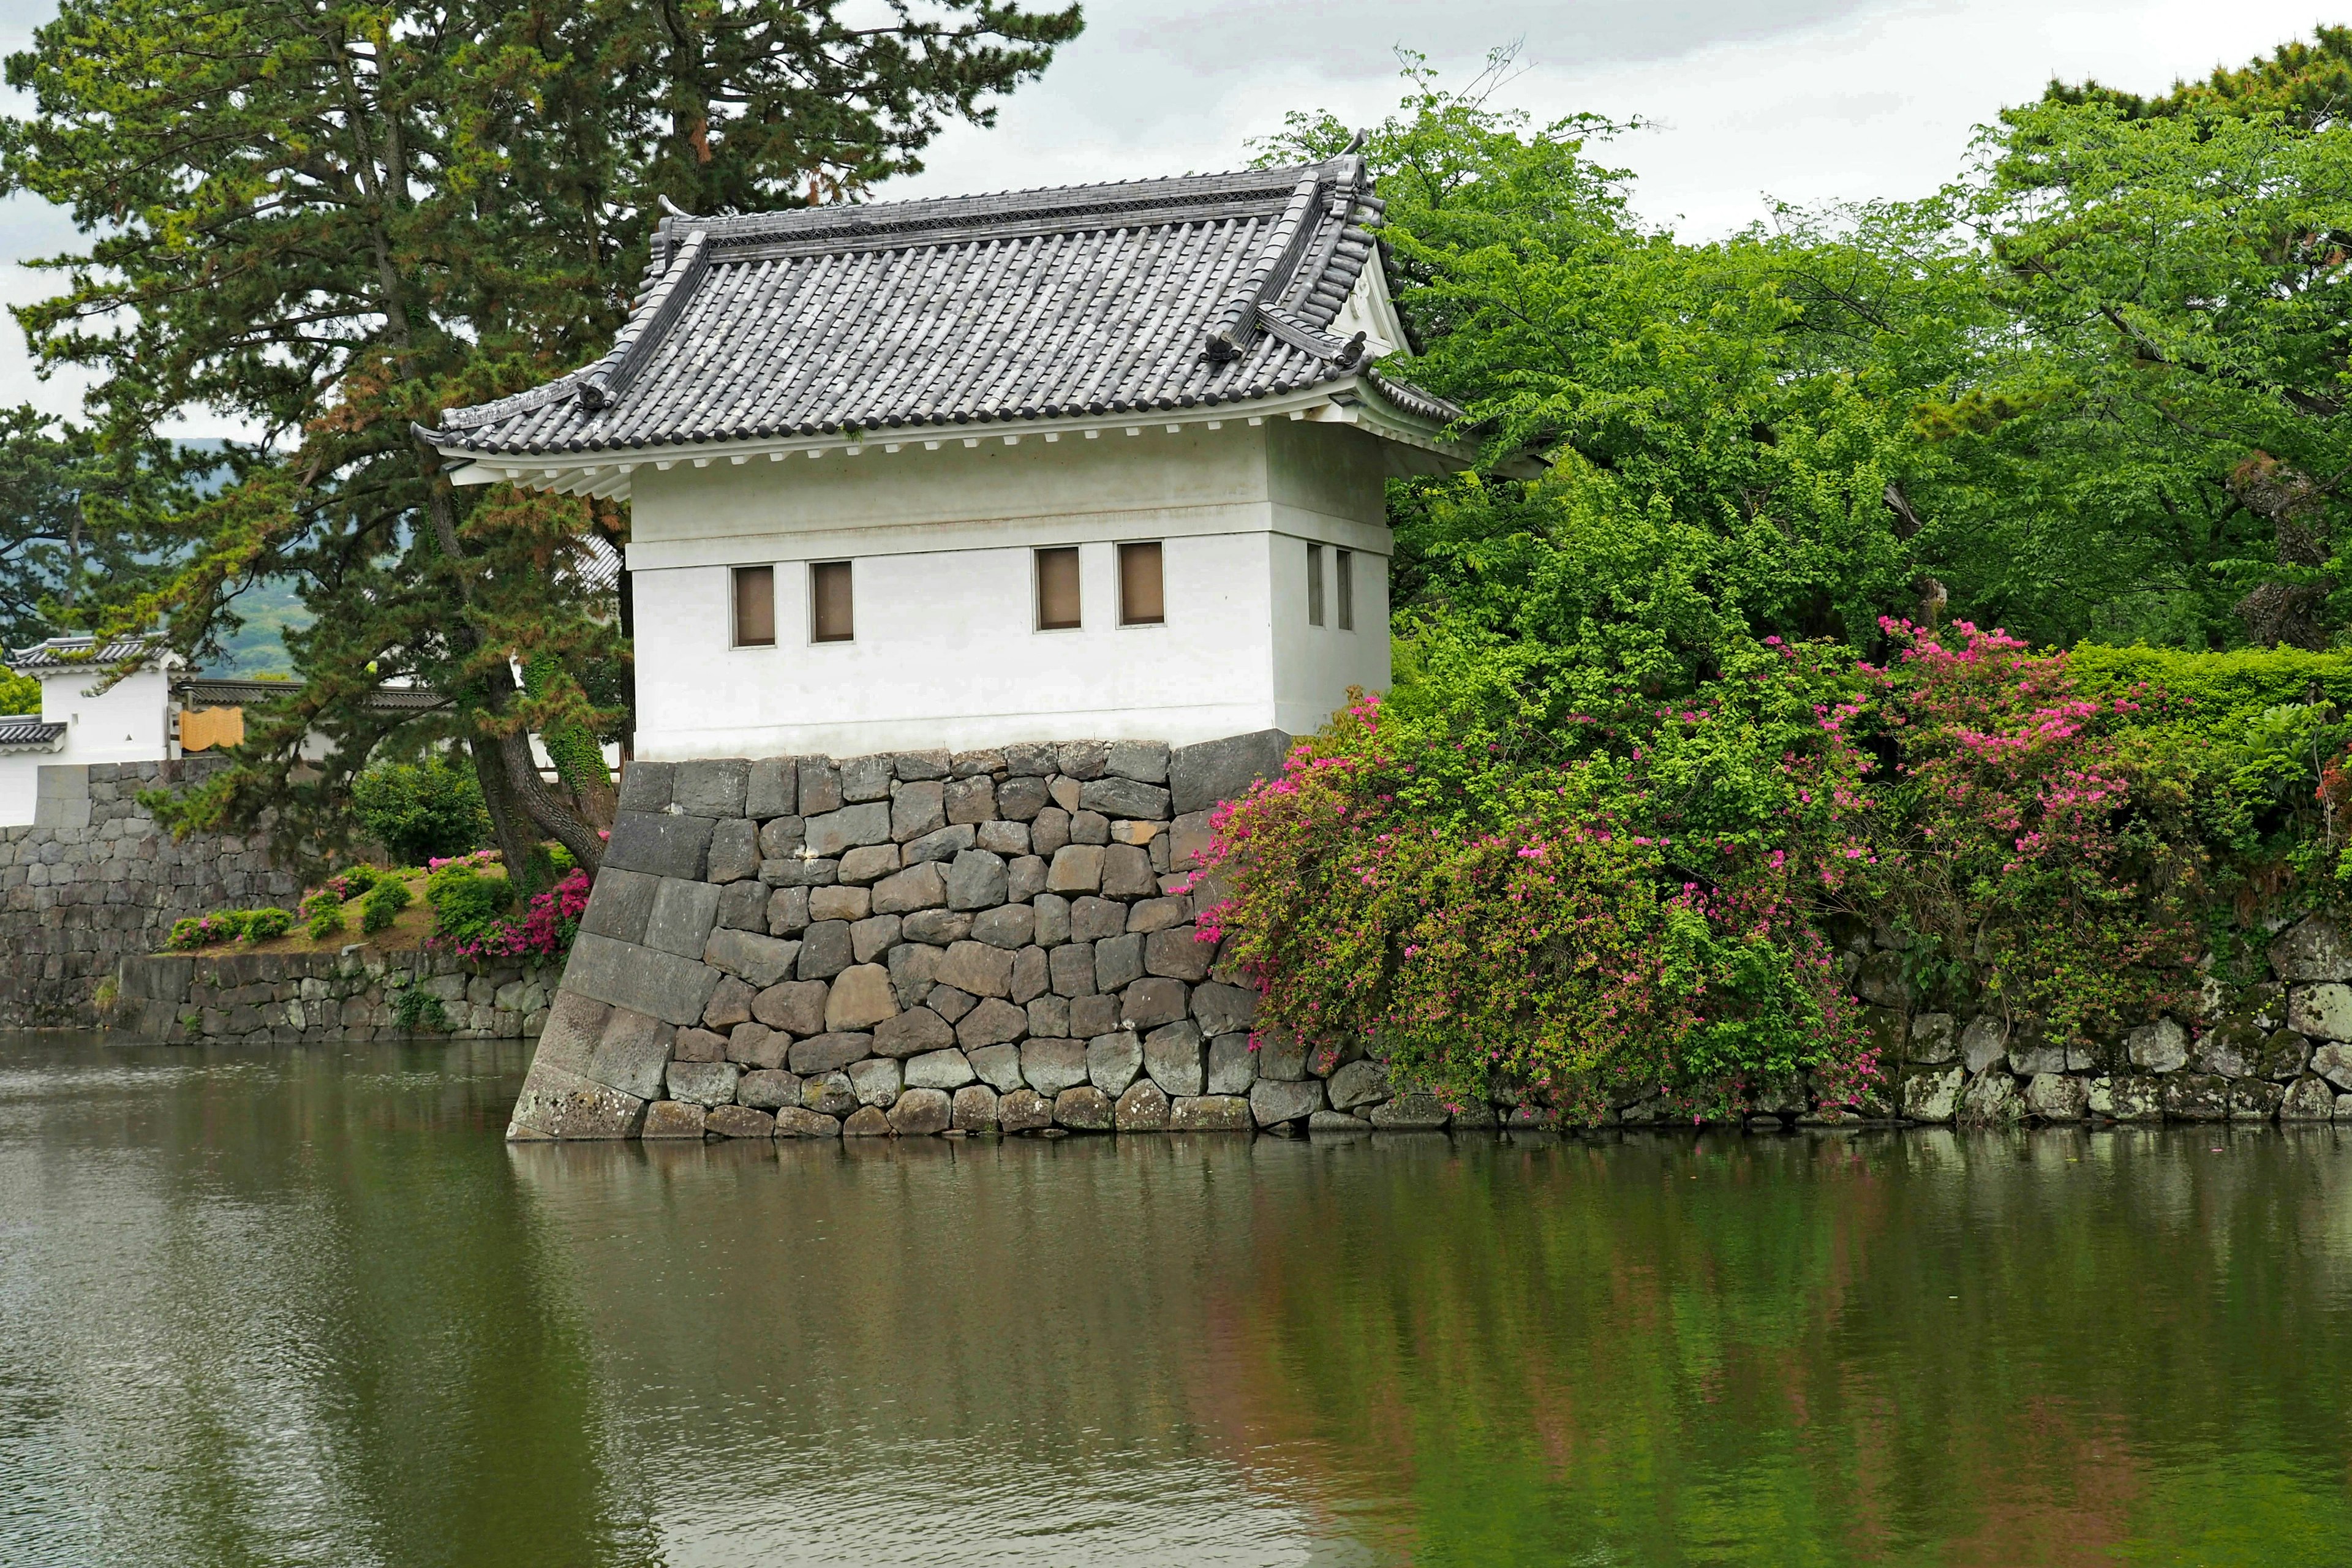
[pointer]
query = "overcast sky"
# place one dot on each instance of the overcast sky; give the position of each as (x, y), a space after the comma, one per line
(1808, 100)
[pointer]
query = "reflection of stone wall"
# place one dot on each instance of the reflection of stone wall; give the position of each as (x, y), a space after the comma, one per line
(2280, 1052)
(306, 998)
(93, 879)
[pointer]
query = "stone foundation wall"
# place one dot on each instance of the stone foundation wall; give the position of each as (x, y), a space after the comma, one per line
(308, 998)
(94, 881)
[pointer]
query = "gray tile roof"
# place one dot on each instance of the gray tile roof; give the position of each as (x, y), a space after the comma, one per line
(1092, 299)
(75, 653)
(234, 691)
(26, 733)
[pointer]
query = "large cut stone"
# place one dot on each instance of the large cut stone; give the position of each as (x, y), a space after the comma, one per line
(1075, 868)
(703, 1083)
(1070, 969)
(1210, 1114)
(976, 880)
(1983, 1042)
(2333, 1061)
(1021, 799)
(977, 967)
(1222, 1009)
(758, 961)
(991, 1022)
(939, 1069)
(796, 1006)
(574, 1024)
(768, 1089)
(827, 948)
(1177, 951)
(646, 787)
(877, 1080)
(868, 777)
(1024, 1110)
(1172, 1054)
(1272, 1103)
(2196, 1097)
(1200, 776)
(1084, 1109)
(861, 997)
(744, 906)
(711, 786)
(2322, 1011)
(912, 1032)
(1281, 1055)
(1011, 927)
(734, 851)
(674, 1118)
(773, 789)
(2313, 949)
(558, 1104)
(828, 1053)
(916, 888)
(1050, 1067)
(662, 983)
(1409, 1112)
(1118, 962)
(756, 1045)
(1127, 873)
(2160, 1047)
(1932, 1095)
(999, 1067)
(835, 831)
(683, 914)
(2308, 1100)
(1093, 919)
(921, 1113)
(2054, 1097)
(620, 904)
(1149, 1003)
(917, 809)
(1233, 1064)
(1358, 1083)
(830, 1093)
(796, 1121)
(1142, 1109)
(631, 1052)
(2255, 1099)
(1113, 1060)
(974, 1109)
(660, 845)
(738, 1121)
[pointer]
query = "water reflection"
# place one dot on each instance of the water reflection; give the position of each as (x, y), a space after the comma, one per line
(309, 1309)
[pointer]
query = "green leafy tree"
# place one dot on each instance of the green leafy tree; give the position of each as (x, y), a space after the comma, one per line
(422, 810)
(330, 222)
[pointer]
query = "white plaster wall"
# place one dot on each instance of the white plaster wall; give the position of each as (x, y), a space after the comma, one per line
(131, 723)
(19, 784)
(947, 653)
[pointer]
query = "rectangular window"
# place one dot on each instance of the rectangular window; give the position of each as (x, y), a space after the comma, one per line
(1313, 584)
(1140, 602)
(755, 607)
(830, 620)
(1346, 562)
(1057, 589)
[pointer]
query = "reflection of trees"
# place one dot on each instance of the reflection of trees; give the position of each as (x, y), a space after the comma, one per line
(288, 1317)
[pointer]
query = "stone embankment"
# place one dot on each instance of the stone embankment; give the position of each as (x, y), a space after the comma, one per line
(308, 998)
(94, 880)
(2279, 1050)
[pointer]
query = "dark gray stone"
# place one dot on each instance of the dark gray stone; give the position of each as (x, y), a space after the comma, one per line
(646, 787)
(1024, 878)
(783, 838)
(1029, 976)
(712, 787)
(1030, 759)
(1118, 962)
(1021, 799)
(1070, 969)
(1123, 798)
(917, 809)
(921, 1113)
(1358, 1083)
(799, 872)
(1159, 914)
(914, 970)
(1053, 919)
(1172, 1054)
(911, 1033)
(1200, 776)
(829, 1094)
(866, 778)
(1011, 926)
(1142, 1109)
(759, 960)
(877, 1080)
(1049, 831)
(923, 764)
(1272, 1103)
(868, 864)
(755, 1045)
(659, 845)
(773, 789)
(922, 887)
(972, 800)
(1049, 1015)
(631, 1053)
(820, 783)
(1092, 919)
(1409, 1112)
(851, 826)
(797, 1006)
(991, 1022)
(1082, 759)
(1174, 953)
(999, 1067)
(826, 949)
(869, 939)
(972, 764)
(1330, 1123)
(670, 987)
(1233, 1065)
(744, 906)
(1281, 1055)
(829, 1053)
(1222, 1009)
(978, 968)
(1151, 1002)
(1113, 1060)
(976, 880)
(682, 917)
(1092, 1016)
(943, 845)
(1090, 827)
(950, 1003)
(1050, 1067)
(1084, 1109)
(945, 1068)
(1146, 762)
(619, 904)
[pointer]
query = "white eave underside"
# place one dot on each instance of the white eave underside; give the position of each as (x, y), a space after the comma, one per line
(607, 475)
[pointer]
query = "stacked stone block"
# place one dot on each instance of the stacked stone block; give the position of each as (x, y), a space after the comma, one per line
(919, 942)
(94, 880)
(310, 998)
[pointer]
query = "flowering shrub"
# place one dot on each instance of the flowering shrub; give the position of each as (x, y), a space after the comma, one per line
(323, 912)
(468, 919)
(266, 924)
(382, 903)
(1630, 917)
(204, 930)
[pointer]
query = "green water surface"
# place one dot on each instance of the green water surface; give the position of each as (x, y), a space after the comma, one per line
(308, 1308)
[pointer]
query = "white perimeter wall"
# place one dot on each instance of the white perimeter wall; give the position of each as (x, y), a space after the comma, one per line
(130, 723)
(947, 653)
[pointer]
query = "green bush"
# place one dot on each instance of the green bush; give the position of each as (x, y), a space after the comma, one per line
(263, 924)
(465, 904)
(419, 1012)
(421, 811)
(19, 693)
(325, 911)
(383, 903)
(204, 930)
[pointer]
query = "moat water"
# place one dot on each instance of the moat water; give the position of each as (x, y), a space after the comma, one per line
(309, 1308)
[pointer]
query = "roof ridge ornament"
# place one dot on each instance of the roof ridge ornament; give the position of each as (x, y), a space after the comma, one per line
(658, 313)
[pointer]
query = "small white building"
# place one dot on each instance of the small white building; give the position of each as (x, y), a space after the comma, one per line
(134, 720)
(1099, 462)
